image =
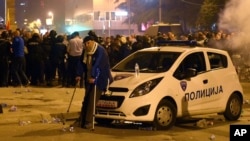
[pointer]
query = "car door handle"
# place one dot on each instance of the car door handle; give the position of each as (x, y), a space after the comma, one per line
(205, 81)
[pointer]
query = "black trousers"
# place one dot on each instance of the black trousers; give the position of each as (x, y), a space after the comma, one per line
(18, 70)
(71, 69)
(88, 104)
(4, 74)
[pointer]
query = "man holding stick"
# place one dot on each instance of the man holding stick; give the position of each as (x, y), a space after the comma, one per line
(95, 66)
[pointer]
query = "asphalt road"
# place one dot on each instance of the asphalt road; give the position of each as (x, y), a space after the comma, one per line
(35, 114)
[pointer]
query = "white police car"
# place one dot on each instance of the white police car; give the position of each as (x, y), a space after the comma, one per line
(173, 82)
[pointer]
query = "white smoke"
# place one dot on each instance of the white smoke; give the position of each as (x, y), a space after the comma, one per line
(236, 18)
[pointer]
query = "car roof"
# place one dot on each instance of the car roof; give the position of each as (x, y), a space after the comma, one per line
(184, 49)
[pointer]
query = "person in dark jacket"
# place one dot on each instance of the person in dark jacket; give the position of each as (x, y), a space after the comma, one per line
(48, 43)
(59, 51)
(35, 59)
(95, 65)
(125, 48)
(4, 59)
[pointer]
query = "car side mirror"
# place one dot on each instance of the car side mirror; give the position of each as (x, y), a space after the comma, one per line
(191, 72)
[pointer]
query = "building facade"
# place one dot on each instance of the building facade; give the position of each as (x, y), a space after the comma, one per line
(102, 16)
(7, 14)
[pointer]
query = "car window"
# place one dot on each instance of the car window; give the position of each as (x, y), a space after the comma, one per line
(217, 60)
(193, 61)
(149, 62)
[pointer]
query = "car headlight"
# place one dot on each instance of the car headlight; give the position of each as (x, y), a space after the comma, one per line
(145, 88)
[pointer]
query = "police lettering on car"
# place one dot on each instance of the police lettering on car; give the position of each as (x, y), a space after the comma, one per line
(203, 93)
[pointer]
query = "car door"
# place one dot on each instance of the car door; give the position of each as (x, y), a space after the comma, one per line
(195, 88)
(219, 77)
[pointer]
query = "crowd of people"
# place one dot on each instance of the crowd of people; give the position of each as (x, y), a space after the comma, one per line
(29, 58)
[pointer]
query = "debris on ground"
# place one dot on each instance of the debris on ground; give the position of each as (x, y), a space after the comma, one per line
(13, 108)
(56, 120)
(246, 102)
(204, 123)
(23, 123)
(212, 137)
(70, 129)
(52, 120)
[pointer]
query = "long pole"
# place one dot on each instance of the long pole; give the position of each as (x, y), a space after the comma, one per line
(109, 19)
(94, 104)
(160, 8)
(129, 14)
(72, 98)
(94, 99)
(5, 13)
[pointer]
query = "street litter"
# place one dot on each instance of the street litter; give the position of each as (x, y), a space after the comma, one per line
(13, 108)
(246, 102)
(204, 123)
(23, 123)
(56, 120)
(53, 120)
(45, 121)
(70, 129)
(212, 137)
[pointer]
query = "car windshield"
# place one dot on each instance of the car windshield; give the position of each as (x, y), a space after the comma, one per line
(149, 62)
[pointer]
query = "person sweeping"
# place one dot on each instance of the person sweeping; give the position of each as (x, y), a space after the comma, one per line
(94, 68)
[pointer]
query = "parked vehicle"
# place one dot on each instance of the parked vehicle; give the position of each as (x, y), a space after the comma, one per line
(164, 28)
(172, 82)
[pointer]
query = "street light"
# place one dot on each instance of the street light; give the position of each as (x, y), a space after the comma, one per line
(52, 17)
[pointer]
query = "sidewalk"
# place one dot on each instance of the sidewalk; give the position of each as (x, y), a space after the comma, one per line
(39, 104)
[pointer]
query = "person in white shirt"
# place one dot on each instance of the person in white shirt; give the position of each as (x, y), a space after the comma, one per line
(75, 48)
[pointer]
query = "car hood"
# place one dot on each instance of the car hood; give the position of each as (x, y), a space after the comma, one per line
(130, 80)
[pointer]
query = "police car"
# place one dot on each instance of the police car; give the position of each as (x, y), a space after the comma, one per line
(172, 82)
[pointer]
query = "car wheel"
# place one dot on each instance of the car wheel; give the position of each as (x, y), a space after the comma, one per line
(103, 121)
(234, 107)
(165, 115)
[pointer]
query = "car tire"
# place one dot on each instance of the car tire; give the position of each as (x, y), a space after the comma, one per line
(103, 121)
(165, 115)
(234, 107)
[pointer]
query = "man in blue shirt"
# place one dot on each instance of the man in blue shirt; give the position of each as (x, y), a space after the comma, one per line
(18, 61)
